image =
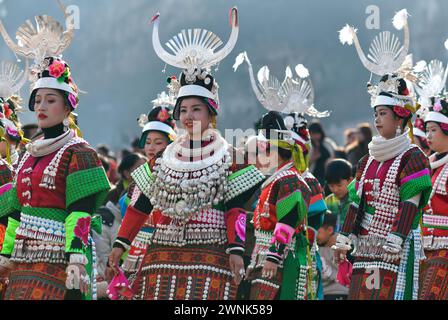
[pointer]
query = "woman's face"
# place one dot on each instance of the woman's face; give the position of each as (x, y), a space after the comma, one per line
(437, 140)
(194, 116)
(50, 108)
(155, 142)
(386, 122)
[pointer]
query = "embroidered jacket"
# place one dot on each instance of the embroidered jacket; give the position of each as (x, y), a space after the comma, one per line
(52, 217)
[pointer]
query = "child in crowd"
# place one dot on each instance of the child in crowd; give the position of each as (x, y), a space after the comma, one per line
(326, 237)
(338, 176)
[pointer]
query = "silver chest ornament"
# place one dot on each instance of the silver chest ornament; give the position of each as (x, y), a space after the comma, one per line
(179, 195)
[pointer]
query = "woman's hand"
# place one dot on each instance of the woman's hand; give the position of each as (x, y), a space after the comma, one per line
(113, 263)
(5, 267)
(269, 270)
(340, 255)
(237, 268)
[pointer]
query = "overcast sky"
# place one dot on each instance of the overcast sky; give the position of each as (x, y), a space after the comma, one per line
(112, 58)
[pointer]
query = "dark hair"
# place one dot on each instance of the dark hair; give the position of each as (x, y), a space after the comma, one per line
(330, 220)
(136, 143)
(284, 154)
(128, 162)
(337, 170)
(316, 127)
(339, 152)
(103, 149)
(104, 162)
(366, 131)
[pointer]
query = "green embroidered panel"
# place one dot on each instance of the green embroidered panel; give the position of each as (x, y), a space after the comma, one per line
(9, 202)
(285, 206)
(143, 178)
(85, 183)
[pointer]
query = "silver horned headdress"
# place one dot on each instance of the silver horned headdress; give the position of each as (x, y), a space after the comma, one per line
(386, 54)
(294, 94)
(193, 50)
(47, 38)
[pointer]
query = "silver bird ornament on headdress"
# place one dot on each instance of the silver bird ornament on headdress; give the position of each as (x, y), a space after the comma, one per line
(193, 50)
(386, 54)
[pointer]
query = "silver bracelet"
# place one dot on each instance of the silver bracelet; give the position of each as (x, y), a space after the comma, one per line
(394, 239)
(5, 262)
(343, 242)
(77, 258)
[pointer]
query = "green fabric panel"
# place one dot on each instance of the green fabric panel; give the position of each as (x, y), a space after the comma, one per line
(284, 206)
(85, 183)
(10, 236)
(434, 227)
(47, 213)
(369, 209)
(409, 273)
(220, 206)
(97, 224)
(414, 187)
(70, 237)
(352, 192)
(9, 202)
(240, 172)
(295, 260)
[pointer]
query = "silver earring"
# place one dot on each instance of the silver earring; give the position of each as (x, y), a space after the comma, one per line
(398, 131)
(66, 124)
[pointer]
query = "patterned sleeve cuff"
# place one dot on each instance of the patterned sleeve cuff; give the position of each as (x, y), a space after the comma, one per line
(235, 249)
(273, 257)
(276, 252)
(125, 244)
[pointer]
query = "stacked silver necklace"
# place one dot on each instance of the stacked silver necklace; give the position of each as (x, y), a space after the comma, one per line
(182, 188)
